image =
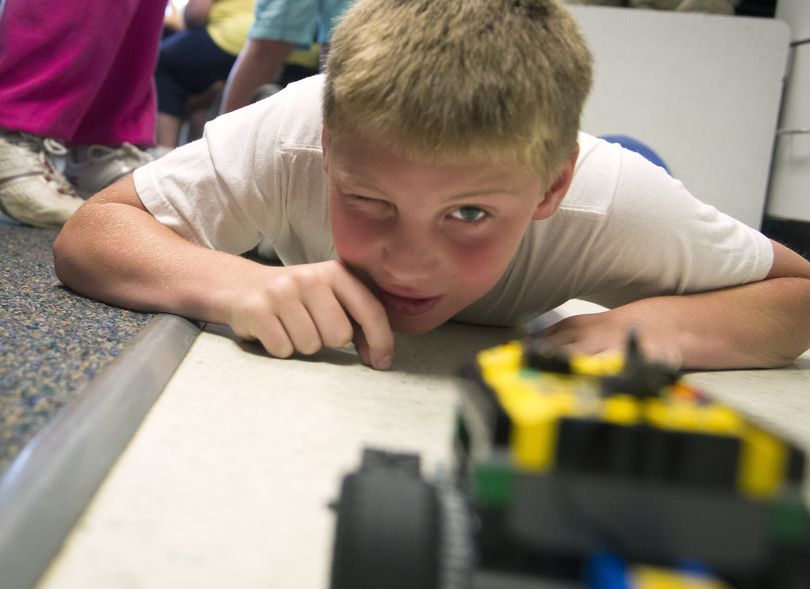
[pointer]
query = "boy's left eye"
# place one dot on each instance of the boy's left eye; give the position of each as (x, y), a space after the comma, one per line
(468, 214)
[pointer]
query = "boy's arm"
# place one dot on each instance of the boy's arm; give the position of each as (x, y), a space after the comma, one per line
(114, 250)
(758, 325)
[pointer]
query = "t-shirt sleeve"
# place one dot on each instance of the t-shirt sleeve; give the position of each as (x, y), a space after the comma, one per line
(656, 238)
(225, 190)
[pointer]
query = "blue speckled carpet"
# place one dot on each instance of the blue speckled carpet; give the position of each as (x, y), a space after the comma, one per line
(52, 341)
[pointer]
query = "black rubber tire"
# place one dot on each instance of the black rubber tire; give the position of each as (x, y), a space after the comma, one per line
(387, 532)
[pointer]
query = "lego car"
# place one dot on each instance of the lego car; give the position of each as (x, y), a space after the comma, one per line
(602, 471)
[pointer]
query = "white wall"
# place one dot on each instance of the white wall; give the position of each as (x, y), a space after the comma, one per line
(789, 194)
(702, 90)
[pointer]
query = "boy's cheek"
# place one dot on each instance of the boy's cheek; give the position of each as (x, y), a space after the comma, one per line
(476, 271)
(482, 259)
(352, 244)
(350, 233)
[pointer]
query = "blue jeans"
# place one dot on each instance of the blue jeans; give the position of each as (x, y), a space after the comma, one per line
(188, 64)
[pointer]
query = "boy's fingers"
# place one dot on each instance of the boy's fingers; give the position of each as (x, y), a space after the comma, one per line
(377, 340)
(368, 357)
(560, 338)
(361, 345)
(301, 330)
(274, 338)
(377, 356)
(330, 318)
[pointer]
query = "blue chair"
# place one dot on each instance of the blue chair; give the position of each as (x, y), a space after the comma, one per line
(639, 147)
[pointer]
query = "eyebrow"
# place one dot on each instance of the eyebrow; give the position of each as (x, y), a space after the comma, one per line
(486, 192)
(348, 178)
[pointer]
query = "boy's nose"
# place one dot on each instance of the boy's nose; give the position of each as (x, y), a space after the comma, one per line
(410, 257)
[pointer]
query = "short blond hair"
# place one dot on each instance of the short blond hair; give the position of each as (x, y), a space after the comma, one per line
(453, 79)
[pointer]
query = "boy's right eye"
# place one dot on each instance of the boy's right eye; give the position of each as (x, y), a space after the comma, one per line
(368, 200)
(369, 205)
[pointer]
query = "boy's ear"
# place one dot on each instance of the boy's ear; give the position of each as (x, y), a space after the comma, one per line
(558, 189)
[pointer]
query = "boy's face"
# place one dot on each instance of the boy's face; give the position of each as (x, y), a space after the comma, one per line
(428, 239)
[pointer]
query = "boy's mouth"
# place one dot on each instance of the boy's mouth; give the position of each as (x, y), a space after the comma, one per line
(405, 304)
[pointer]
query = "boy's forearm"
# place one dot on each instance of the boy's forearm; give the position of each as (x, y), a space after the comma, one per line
(122, 255)
(758, 325)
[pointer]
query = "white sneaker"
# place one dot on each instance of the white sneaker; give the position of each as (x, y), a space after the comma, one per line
(32, 191)
(93, 167)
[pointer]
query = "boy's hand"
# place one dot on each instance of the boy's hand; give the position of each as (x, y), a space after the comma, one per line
(311, 306)
(761, 324)
(595, 333)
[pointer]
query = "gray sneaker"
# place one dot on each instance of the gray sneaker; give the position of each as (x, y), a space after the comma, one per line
(32, 191)
(93, 167)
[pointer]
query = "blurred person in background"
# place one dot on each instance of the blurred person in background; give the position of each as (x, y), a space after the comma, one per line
(195, 61)
(76, 81)
(278, 28)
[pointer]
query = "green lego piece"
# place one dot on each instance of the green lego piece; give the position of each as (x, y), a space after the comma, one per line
(493, 483)
(791, 521)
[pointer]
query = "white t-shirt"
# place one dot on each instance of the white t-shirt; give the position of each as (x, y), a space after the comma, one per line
(626, 230)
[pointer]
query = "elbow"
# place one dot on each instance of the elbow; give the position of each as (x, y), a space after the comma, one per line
(65, 254)
(793, 331)
(61, 255)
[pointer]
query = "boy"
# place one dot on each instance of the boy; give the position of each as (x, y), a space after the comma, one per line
(436, 173)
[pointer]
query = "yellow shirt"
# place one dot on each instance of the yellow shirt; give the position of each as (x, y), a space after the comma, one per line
(306, 58)
(228, 23)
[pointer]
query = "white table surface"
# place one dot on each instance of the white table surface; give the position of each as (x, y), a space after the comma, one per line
(228, 480)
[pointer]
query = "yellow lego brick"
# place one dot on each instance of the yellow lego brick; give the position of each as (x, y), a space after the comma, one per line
(622, 409)
(601, 365)
(503, 359)
(763, 464)
(533, 440)
(647, 577)
(721, 419)
(688, 416)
